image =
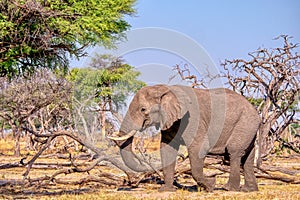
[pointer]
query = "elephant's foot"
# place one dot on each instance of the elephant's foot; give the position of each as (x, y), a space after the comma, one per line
(249, 188)
(231, 187)
(209, 184)
(165, 188)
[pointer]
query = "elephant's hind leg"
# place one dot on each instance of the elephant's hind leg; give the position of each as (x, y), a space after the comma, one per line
(250, 179)
(233, 183)
(238, 146)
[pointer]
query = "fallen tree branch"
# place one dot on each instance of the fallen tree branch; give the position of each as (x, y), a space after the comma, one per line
(89, 179)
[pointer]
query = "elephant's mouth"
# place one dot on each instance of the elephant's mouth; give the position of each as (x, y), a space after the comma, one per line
(148, 122)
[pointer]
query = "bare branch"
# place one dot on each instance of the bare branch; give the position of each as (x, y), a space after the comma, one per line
(271, 75)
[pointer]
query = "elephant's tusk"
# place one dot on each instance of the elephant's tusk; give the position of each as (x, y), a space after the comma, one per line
(124, 137)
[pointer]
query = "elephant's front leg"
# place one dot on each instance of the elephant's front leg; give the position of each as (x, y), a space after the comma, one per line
(197, 164)
(168, 153)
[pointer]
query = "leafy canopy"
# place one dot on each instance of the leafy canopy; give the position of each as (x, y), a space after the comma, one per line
(108, 82)
(44, 33)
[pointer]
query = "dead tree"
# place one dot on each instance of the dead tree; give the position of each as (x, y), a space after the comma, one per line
(271, 80)
(56, 121)
(22, 98)
(185, 74)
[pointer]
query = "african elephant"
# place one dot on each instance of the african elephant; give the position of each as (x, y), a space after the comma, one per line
(215, 121)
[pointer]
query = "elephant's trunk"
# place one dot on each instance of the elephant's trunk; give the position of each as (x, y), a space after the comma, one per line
(124, 140)
(129, 158)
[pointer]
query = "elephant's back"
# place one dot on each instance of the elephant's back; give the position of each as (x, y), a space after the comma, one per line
(228, 98)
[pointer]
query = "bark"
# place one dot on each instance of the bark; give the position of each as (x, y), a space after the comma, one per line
(2, 130)
(17, 136)
(103, 124)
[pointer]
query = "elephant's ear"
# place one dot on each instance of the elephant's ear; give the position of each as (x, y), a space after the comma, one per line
(174, 105)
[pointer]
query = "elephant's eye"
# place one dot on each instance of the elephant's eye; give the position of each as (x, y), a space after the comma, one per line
(143, 110)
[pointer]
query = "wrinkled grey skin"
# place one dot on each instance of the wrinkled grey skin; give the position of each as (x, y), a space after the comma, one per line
(217, 121)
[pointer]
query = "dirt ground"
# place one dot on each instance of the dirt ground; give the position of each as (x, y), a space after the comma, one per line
(268, 189)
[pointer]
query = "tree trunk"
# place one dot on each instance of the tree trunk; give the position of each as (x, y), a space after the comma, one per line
(31, 144)
(17, 136)
(103, 119)
(103, 125)
(2, 131)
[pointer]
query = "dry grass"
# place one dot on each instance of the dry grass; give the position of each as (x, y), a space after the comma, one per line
(268, 189)
(287, 192)
(6, 146)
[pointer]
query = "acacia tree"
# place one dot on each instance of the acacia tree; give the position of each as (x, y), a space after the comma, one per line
(38, 33)
(107, 84)
(271, 79)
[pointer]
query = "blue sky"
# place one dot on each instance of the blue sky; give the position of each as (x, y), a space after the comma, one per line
(224, 29)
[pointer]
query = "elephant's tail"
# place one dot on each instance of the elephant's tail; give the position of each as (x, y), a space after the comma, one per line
(259, 142)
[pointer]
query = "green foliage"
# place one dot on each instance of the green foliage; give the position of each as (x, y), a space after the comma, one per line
(110, 83)
(45, 33)
(295, 125)
(255, 101)
(85, 82)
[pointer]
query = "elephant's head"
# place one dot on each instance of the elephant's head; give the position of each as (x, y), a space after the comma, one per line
(159, 106)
